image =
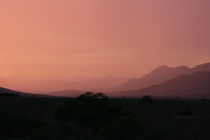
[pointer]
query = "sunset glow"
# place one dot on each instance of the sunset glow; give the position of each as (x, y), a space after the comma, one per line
(71, 40)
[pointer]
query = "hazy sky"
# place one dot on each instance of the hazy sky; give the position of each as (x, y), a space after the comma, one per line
(54, 39)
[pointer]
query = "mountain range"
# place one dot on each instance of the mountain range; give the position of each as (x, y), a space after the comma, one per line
(158, 76)
(193, 85)
(163, 81)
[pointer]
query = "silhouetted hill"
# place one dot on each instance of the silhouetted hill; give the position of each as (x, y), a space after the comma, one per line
(5, 90)
(9, 92)
(193, 85)
(158, 76)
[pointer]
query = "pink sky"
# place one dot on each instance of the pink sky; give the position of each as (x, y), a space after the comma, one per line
(43, 40)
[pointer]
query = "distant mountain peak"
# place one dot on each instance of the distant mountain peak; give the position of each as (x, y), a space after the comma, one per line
(182, 67)
(167, 68)
(163, 67)
(204, 64)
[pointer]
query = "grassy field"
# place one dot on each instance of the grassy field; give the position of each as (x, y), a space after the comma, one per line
(161, 119)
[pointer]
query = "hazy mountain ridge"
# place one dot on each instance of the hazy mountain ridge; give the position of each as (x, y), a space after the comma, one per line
(193, 85)
(162, 81)
(159, 75)
(202, 67)
(67, 93)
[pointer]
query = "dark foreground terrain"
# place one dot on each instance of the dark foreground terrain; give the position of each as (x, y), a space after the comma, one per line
(31, 118)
